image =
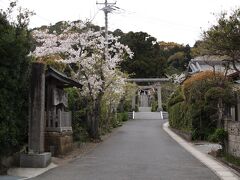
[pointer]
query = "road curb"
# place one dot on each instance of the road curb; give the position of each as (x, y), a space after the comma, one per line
(219, 169)
(27, 173)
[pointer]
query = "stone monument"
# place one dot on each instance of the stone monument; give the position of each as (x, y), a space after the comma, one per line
(50, 126)
(36, 157)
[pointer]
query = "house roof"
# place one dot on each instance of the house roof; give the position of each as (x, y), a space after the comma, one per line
(206, 63)
(61, 79)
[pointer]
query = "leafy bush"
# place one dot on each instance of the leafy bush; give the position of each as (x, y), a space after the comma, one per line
(80, 133)
(78, 106)
(179, 117)
(175, 98)
(122, 116)
(15, 45)
(154, 106)
(195, 106)
(216, 93)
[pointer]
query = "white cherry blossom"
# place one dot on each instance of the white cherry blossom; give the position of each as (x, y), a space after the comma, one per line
(79, 45)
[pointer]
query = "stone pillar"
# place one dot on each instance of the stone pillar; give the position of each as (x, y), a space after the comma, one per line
(238, 109)
(233, 113)
(133, 102)
(37, 104)
(139, 98)
(159, 95)
(36, 157)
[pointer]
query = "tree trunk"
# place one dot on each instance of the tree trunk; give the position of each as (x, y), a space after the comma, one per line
(109, 116)
(94, 118)
(220, 113)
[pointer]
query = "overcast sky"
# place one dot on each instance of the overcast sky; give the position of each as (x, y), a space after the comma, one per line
(180, 21)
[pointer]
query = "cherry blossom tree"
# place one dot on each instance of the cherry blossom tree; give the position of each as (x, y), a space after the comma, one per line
(83, 51)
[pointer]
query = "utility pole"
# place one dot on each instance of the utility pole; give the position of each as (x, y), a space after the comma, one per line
(108, 8)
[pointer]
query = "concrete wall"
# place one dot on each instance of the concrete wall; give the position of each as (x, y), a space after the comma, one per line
(233, 128)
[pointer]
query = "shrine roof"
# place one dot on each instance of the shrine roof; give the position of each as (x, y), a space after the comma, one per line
(62, 80)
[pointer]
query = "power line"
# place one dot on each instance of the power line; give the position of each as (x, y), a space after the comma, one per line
(94, 16)
(156, 20)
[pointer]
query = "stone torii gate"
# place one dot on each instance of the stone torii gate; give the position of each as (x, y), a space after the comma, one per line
(156, 81)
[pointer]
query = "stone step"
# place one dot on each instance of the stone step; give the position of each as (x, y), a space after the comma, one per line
(144, 109)
(147, 115)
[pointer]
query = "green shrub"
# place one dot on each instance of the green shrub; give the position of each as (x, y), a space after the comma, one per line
(78, 106)
(218, 136)
(195, 104)
(122, 116)
(179, 117)
(176, 98)
(80, 133)
(154, 106)
(232, 159)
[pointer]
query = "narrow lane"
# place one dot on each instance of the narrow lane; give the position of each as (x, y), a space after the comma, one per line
(139, 150)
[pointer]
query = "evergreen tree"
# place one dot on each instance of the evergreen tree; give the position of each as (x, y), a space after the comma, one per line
(147, 61)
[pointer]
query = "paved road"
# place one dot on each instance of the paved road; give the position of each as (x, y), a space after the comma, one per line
(8, 178)
(139, 150)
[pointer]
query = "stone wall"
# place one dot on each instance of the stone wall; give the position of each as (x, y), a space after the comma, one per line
(58, 143)
(233, 128)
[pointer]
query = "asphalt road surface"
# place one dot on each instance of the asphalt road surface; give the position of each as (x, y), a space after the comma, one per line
(139, 150)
